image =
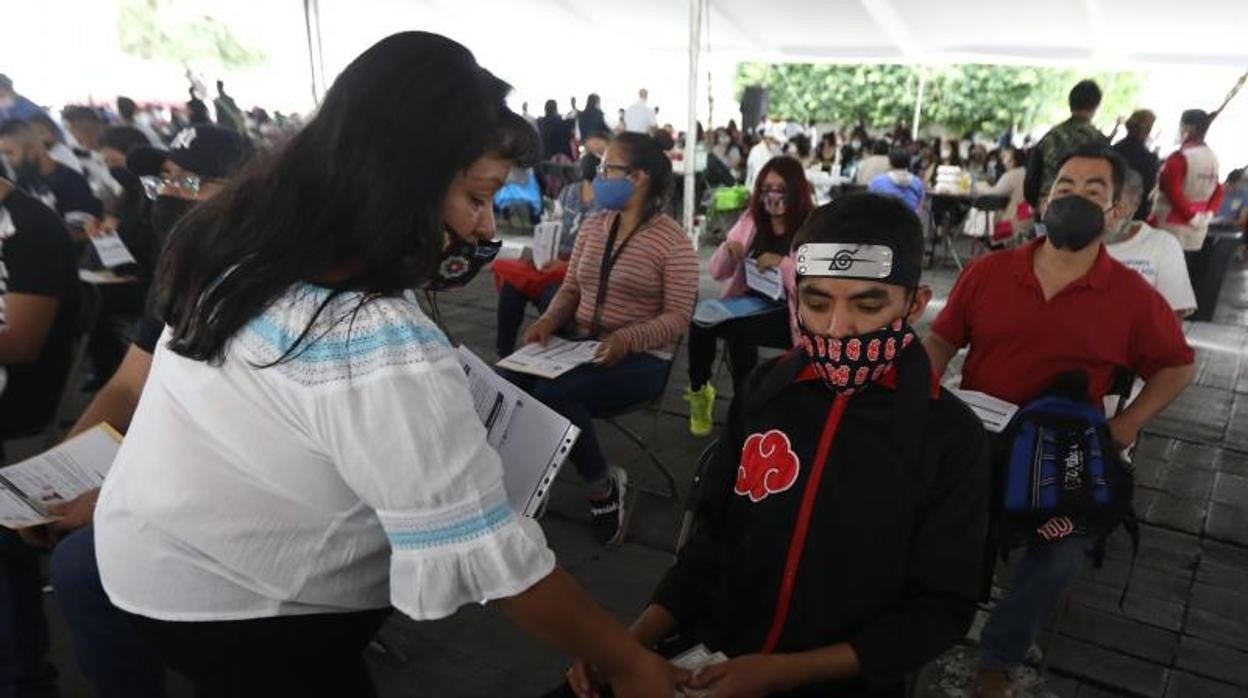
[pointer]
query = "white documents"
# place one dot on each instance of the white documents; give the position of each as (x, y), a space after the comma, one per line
(112, 251)
(769, 283)
(56, 476)
(993, 412)
(551, 361)
(546, 236)
(532, 440)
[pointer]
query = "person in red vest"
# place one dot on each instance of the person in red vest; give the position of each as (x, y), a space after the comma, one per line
(1189, 190)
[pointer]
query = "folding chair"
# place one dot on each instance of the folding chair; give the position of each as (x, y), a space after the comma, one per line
(648, 443)
(687, 519)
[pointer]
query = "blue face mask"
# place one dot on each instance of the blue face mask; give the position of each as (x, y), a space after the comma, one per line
(613, 194)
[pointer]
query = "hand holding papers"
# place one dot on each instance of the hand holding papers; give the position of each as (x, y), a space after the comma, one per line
(551, 361)
(694, 660)
(56, 476)
(768, 283)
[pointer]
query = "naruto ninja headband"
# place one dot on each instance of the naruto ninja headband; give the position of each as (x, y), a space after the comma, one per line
(855, 261)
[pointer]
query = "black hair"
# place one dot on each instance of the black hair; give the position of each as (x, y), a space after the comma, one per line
(6, 83)
(1198, 119)
(41, 117)
(19, 128)
(1085, 96)
(126, 107)
(645, 154)
(801, 143)
(589, 166)
(593, 101)
(415, 106)
(899, 158)
(869, 219)
(880, 147)
(1101, 152)
(81, 114)
(552, 108)
(123, 138)
(663, 139)
(1235, 175)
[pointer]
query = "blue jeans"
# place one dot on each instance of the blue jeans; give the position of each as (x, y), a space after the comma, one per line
(114, 658)
(24, 668)
(589, 391)
(511, 306)
(1043, 574)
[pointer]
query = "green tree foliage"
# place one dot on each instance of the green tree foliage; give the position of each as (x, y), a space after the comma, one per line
(155, 30)
(970, 97)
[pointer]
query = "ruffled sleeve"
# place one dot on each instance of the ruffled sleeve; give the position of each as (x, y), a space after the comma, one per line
(406, 438)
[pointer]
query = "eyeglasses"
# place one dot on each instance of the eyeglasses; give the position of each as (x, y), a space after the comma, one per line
(604, 168)
(186, 185)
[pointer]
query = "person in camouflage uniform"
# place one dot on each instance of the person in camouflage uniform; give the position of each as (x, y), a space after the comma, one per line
(1061, 140)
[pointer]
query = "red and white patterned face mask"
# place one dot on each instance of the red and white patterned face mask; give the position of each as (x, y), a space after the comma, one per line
(849, 364)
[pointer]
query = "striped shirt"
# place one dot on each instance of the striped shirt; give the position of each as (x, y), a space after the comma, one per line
(652, 289)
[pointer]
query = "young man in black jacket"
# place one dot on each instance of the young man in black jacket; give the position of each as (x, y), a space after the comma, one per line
(840, 525)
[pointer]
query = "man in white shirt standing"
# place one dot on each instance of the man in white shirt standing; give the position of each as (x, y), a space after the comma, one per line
(640, 118)
(768, 147)
(1155, 254)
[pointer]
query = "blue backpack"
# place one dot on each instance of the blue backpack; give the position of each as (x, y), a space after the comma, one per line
(1062, 474)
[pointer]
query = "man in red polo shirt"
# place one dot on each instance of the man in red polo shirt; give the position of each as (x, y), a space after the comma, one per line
(1028, 315)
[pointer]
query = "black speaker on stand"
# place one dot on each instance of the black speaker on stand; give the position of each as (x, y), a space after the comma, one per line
(753, 107)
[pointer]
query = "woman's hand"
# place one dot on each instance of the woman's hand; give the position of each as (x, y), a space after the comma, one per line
(611, 351)
(539, 332)
(769, 260)
(748, 676)
(736, 251)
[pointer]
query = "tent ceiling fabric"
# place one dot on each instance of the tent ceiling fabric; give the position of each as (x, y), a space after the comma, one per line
(1115, 32)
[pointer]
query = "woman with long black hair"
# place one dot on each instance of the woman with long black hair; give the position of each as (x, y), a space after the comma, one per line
(306, 452)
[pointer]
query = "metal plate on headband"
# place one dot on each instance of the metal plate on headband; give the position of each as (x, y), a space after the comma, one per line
(839, 259)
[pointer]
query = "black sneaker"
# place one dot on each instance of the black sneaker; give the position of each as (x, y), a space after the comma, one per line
(606, 515)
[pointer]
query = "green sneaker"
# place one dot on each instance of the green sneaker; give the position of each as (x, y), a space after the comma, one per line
(701, 410)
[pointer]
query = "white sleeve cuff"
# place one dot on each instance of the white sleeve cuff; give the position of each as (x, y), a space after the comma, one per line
(472, 553)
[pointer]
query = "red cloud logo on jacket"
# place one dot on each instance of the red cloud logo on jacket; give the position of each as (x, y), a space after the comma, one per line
(768, 466)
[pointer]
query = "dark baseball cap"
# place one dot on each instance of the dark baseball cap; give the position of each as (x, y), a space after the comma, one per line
(208, 151)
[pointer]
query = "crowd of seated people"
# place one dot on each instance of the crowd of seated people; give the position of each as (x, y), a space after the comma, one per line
(275, 308)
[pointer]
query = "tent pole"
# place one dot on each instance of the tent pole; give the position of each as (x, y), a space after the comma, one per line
(691, 131)
(918, 106)
(307, 22)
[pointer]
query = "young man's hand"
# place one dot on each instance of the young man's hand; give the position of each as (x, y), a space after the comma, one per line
(748, 676)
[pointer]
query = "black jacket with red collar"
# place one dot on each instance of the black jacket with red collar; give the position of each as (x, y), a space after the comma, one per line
(874, 507)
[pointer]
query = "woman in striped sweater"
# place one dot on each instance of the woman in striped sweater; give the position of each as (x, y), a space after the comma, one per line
(632, 282)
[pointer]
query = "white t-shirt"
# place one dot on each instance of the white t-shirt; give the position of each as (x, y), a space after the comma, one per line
(1158, 257)
(640, 118)
(355, 475)
(759, 156)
